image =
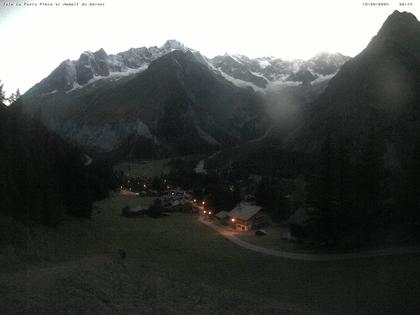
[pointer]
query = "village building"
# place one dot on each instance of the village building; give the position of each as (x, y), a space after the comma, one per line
(222, 216)
(176, 197)
(246, 216)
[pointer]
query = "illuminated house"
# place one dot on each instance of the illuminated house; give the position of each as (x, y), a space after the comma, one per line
(246, 216)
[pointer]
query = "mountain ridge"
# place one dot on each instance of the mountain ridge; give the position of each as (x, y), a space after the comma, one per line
(258, 72)
(106, 113)
(379, 84)
(71, 102)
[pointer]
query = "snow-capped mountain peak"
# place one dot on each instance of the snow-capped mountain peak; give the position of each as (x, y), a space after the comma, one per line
(173, 44)
(241, 70)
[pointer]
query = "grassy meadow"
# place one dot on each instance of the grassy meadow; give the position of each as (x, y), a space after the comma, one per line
(176, 265)
(144, 168)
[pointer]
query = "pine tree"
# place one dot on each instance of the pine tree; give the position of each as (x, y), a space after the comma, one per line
(12, 98)
(2, 97)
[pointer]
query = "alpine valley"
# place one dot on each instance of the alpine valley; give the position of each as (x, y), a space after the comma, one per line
(160, 181)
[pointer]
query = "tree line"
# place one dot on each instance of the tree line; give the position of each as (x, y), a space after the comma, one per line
(13, 97)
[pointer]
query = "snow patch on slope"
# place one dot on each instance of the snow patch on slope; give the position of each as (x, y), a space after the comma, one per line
(264, 63)
(205, 136)
(274, 85)
(112, 76)
(322, 78)
(199, 169)
(76, 86)
(50, 93)
(240, 83)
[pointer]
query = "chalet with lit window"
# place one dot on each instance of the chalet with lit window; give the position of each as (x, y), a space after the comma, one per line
(246, 216)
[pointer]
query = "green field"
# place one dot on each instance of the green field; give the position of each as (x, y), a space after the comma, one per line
(176, 265)
(272, 240)
(144, 168)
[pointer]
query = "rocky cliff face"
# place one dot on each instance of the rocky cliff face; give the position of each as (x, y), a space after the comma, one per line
(266, 71)
(178, 103)
(101, 101)
(376, 90)
(241, 70)
(100, 65)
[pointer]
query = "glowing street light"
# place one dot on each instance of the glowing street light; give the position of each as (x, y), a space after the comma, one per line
(209, 212)
(233, 220)
(203, 203)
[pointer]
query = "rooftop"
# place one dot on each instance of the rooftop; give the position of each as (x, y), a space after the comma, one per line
(222, 214)
(244, 211)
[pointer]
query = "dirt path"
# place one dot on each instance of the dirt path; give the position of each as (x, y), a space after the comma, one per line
(311, 257)
(89, 160)
(265, 135)
(200, 167)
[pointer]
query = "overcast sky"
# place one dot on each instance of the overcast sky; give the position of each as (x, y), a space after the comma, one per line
(36, 39)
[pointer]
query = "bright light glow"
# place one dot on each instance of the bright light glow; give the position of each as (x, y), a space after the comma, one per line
(205, 211)
(39, 38)
(209, 212)
(233, 220)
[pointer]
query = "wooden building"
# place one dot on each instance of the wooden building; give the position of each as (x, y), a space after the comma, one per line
(246, 216)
